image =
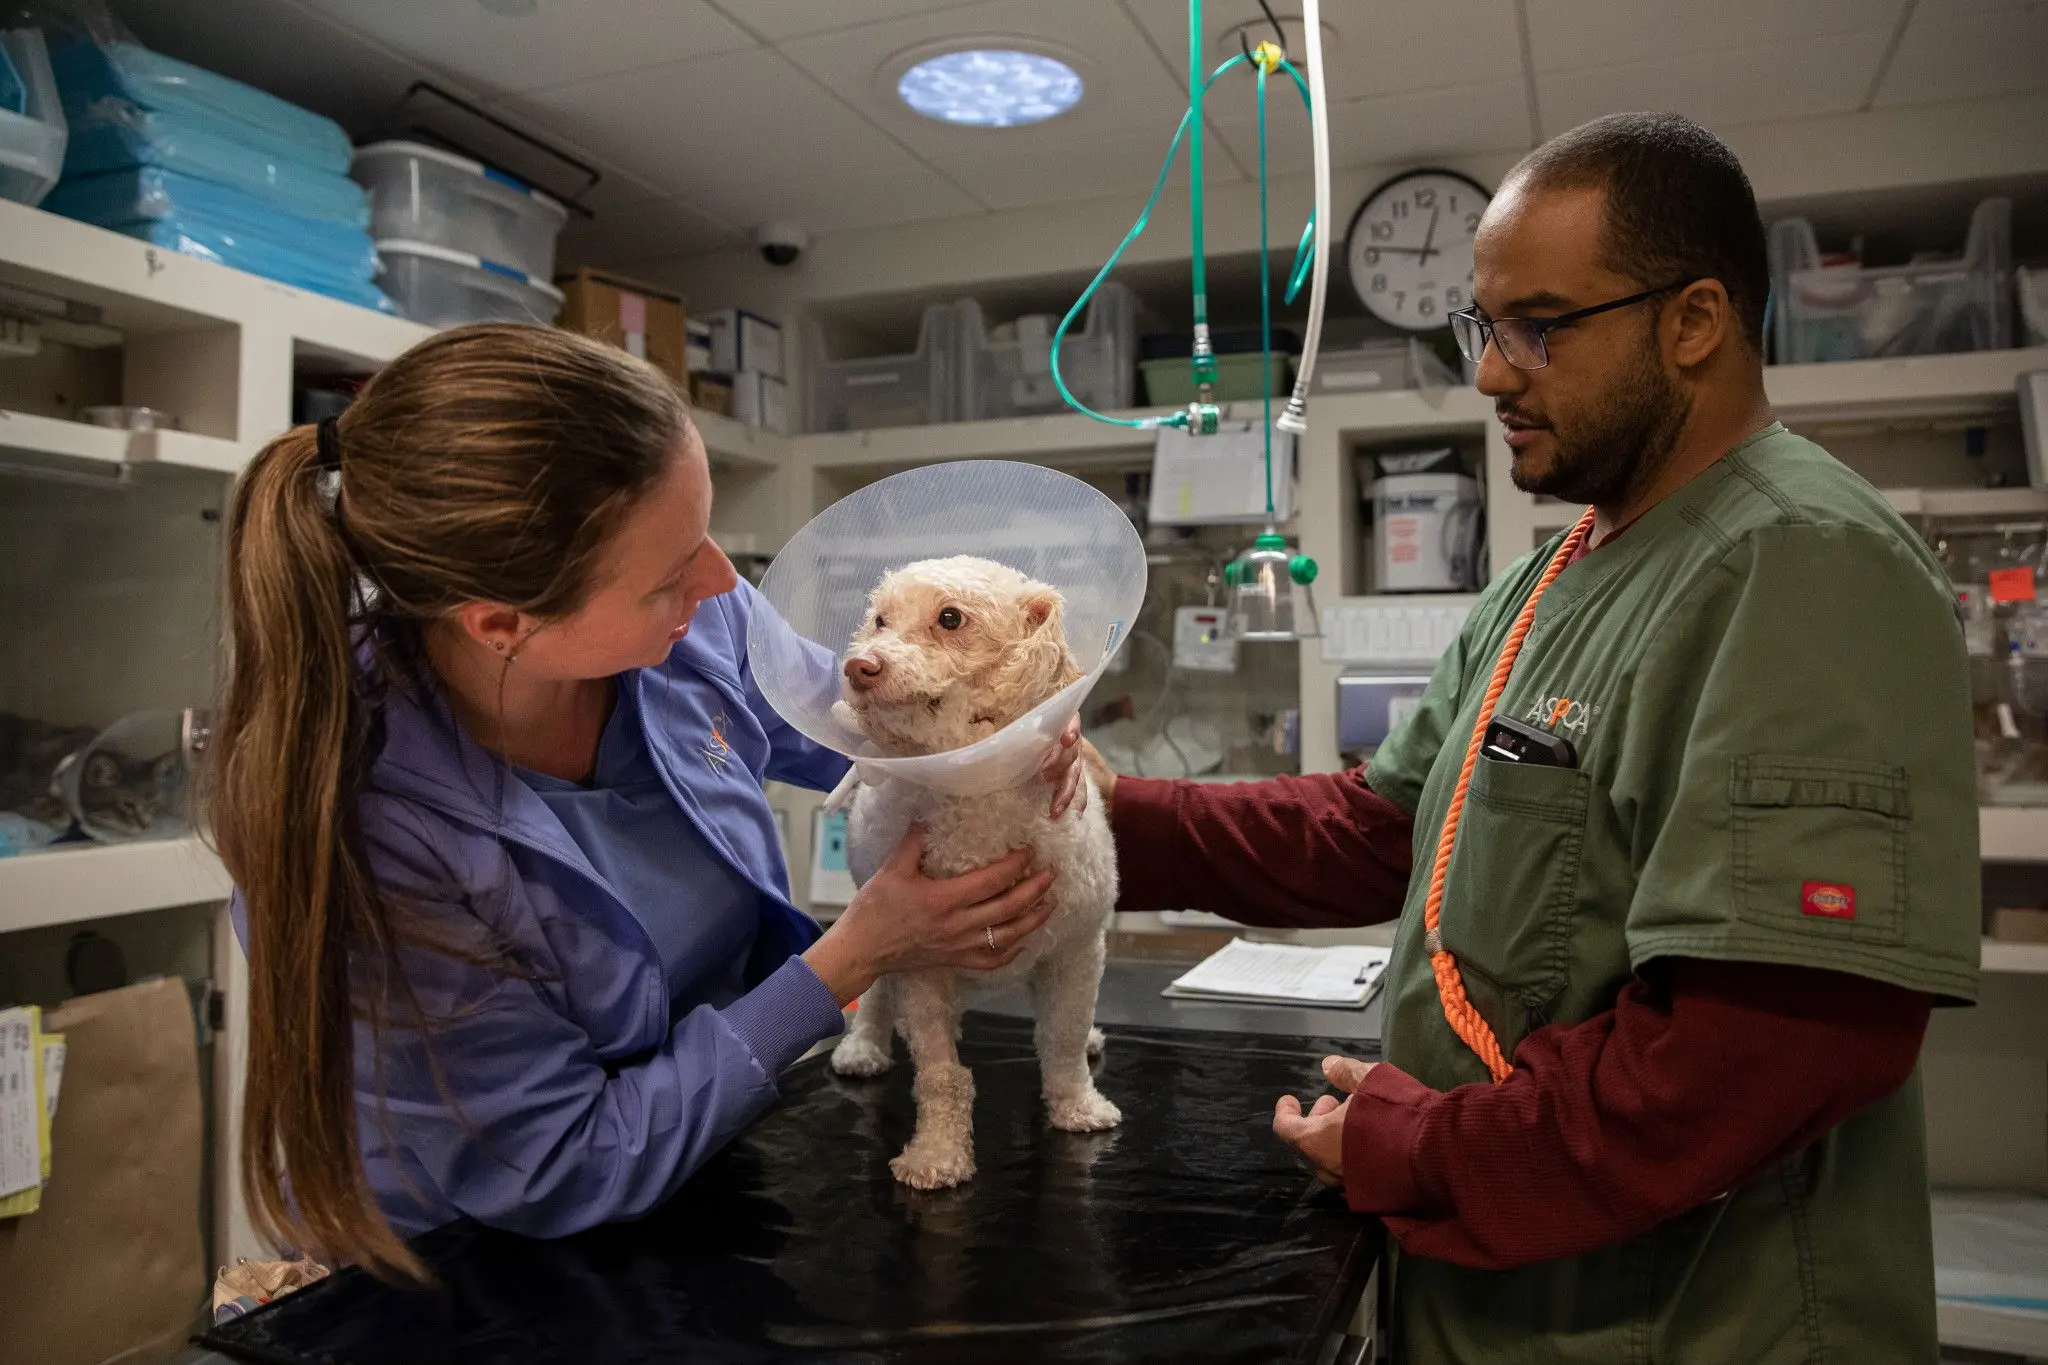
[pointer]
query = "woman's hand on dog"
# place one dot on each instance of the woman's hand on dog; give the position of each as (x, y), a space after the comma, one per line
(904, 921)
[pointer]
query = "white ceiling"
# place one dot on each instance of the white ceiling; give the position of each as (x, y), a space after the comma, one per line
(711, 116)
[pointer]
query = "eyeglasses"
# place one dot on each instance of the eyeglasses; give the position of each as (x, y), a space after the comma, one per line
(1521, 340)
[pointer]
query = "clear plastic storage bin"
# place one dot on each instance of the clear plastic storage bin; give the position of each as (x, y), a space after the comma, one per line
(1850, 312)
(892, 390)
(2033, 293)
(1008, 369)
(32, 137)
(423, 194)
(1380, 366)
(441, 288)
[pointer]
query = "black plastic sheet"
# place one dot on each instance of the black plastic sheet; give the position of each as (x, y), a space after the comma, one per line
(1188, 1234)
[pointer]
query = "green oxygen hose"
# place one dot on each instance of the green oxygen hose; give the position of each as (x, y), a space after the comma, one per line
(1303, 259)
(1202, 359)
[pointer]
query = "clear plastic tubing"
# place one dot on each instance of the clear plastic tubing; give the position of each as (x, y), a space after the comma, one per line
(1295, 419)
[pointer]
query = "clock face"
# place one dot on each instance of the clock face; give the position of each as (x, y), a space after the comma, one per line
(1410, 248)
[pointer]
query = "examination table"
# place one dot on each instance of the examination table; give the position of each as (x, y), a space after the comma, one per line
(1188, 1234)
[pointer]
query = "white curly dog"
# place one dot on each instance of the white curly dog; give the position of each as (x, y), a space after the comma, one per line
(952, 651)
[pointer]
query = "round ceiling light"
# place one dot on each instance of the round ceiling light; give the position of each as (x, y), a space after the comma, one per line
(990, 88)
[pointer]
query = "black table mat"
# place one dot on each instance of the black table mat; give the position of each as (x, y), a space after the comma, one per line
(1188, 1234)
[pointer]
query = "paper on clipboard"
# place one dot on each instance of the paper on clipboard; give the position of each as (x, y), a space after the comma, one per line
(1285, 974)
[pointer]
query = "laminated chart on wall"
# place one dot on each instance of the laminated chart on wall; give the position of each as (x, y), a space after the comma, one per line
(31, 1072)
(1220, 479)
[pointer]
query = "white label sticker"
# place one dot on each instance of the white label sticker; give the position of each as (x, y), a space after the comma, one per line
(21, 1146)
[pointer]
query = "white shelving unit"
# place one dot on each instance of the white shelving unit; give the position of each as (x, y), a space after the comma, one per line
(2014, 834)
(2029, 959)
(219, 348)
(79, 883)
(736, 446)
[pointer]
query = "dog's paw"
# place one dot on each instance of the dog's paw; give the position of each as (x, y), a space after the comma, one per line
(857, 1056)
(1094, 1043)
(933, 1166)
(1087, 1112)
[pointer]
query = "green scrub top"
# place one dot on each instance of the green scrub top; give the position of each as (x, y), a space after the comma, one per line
(1765, 683)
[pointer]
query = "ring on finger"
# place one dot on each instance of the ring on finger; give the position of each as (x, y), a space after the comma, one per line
(990, 931)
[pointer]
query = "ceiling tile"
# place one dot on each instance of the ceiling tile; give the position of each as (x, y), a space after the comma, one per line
(564, 41)
(1744, 85)
(1126, 86)
(1409, 127)
(1966, 51)
(1125, 167)
(844, 202)
(717, 130)
(779, 19)
(1372, 47)
(1566, 35)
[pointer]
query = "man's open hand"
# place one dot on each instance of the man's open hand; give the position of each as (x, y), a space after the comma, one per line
(1318, 1134)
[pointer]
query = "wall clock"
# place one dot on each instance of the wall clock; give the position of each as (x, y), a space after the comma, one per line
(1410, 248)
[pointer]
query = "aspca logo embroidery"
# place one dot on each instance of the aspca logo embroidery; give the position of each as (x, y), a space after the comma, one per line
(1562, 713)
(717, 753)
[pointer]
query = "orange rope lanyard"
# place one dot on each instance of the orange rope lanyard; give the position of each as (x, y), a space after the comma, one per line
(1464, 1019)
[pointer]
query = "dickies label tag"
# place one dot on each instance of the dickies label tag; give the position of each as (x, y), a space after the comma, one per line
(1828, 900)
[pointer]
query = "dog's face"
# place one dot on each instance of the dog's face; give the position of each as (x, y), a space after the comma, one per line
(952, 651)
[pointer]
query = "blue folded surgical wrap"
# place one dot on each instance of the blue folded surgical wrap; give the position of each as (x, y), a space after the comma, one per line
(220, 223)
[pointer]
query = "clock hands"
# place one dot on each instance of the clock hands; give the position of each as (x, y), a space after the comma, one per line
(1430, 235)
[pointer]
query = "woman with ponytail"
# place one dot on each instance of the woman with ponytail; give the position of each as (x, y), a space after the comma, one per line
(488, 779)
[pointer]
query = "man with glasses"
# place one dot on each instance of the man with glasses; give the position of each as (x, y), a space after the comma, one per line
(1703, 888)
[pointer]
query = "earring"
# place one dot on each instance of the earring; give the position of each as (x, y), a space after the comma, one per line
(498, 645)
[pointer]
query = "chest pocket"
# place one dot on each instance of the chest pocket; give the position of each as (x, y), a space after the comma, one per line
(1512, 888)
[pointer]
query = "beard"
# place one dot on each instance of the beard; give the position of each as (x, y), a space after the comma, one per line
(1604, 456)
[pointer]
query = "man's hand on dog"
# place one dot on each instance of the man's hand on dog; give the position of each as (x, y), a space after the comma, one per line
(1062, 768)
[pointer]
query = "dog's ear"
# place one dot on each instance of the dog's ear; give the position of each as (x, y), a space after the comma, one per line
(1037, 663)
(1045, 612)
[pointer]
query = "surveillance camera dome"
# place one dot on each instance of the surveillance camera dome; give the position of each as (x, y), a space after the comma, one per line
(781, 243)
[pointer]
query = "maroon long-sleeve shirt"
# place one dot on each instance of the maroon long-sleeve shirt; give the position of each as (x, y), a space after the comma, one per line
(1702, 1075)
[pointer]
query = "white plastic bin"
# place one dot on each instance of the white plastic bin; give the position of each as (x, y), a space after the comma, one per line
(1008, 370)
(1849, 312)
(31, 142)
(441, 288)
(1380, 366)
(892, 390)
(423, 194)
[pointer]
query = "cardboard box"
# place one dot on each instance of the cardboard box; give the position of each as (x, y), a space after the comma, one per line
(745, 342)
(2020, 925)
(697, 344)
(761, 400)
(709, 393)
(643, 319)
